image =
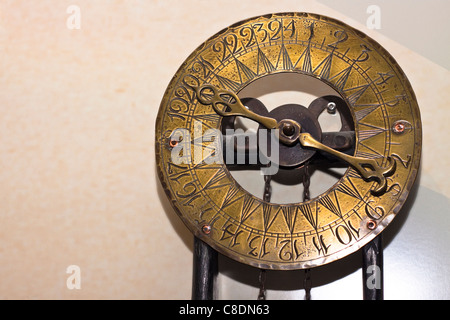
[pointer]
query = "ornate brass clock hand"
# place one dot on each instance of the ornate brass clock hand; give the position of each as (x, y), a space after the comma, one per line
(368, 168)
(232, 106)
(291, 131)
(208, 94)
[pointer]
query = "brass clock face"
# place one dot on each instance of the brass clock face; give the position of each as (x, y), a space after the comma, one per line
(382, 167)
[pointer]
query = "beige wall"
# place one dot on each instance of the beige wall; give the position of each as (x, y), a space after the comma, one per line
(78, 182)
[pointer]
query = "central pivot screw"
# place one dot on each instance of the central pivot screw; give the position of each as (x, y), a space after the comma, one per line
(288, 129)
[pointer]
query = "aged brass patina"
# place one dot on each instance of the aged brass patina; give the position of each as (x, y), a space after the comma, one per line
(385, 138)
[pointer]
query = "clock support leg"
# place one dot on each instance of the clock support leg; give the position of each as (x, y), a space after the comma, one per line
(204, 271)
(372, 268)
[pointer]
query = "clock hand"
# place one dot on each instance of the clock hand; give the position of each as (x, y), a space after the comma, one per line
(230, 101)
(368, 168)
(290, 131)
(232, 106)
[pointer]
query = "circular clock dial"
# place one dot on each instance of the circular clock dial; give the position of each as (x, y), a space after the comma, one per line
(353, 211)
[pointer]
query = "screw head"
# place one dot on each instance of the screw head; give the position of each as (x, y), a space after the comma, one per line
(399, 126)
(288, 129)
(173, 143)
(371, 225)
(175, 139)
(206, 229)
(331, 107)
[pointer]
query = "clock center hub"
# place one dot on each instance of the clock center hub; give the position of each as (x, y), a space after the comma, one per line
(293, 120)
(288, 129)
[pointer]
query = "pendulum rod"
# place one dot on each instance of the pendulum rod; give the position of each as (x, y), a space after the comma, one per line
(204, 271)
(372, 269)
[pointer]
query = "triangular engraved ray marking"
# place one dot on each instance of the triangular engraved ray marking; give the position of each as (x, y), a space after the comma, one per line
(268, 216)
(307, 64)
(227, 83)
(367, 134)
(372, 126)
(247, 210)
(368, 155)
(213, 117)
(342, 78)
(361, 114)
(219, 175)
(331, 205)
(375, 154)
(230, 197)
(352, 98)
(264, 62)
(206, 165)
(244, 70)
(287, 62)
(326, 62)
(349, 189)
(308, 214)
(290, 215)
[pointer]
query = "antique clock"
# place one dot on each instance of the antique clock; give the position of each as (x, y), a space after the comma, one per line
(379, 141)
